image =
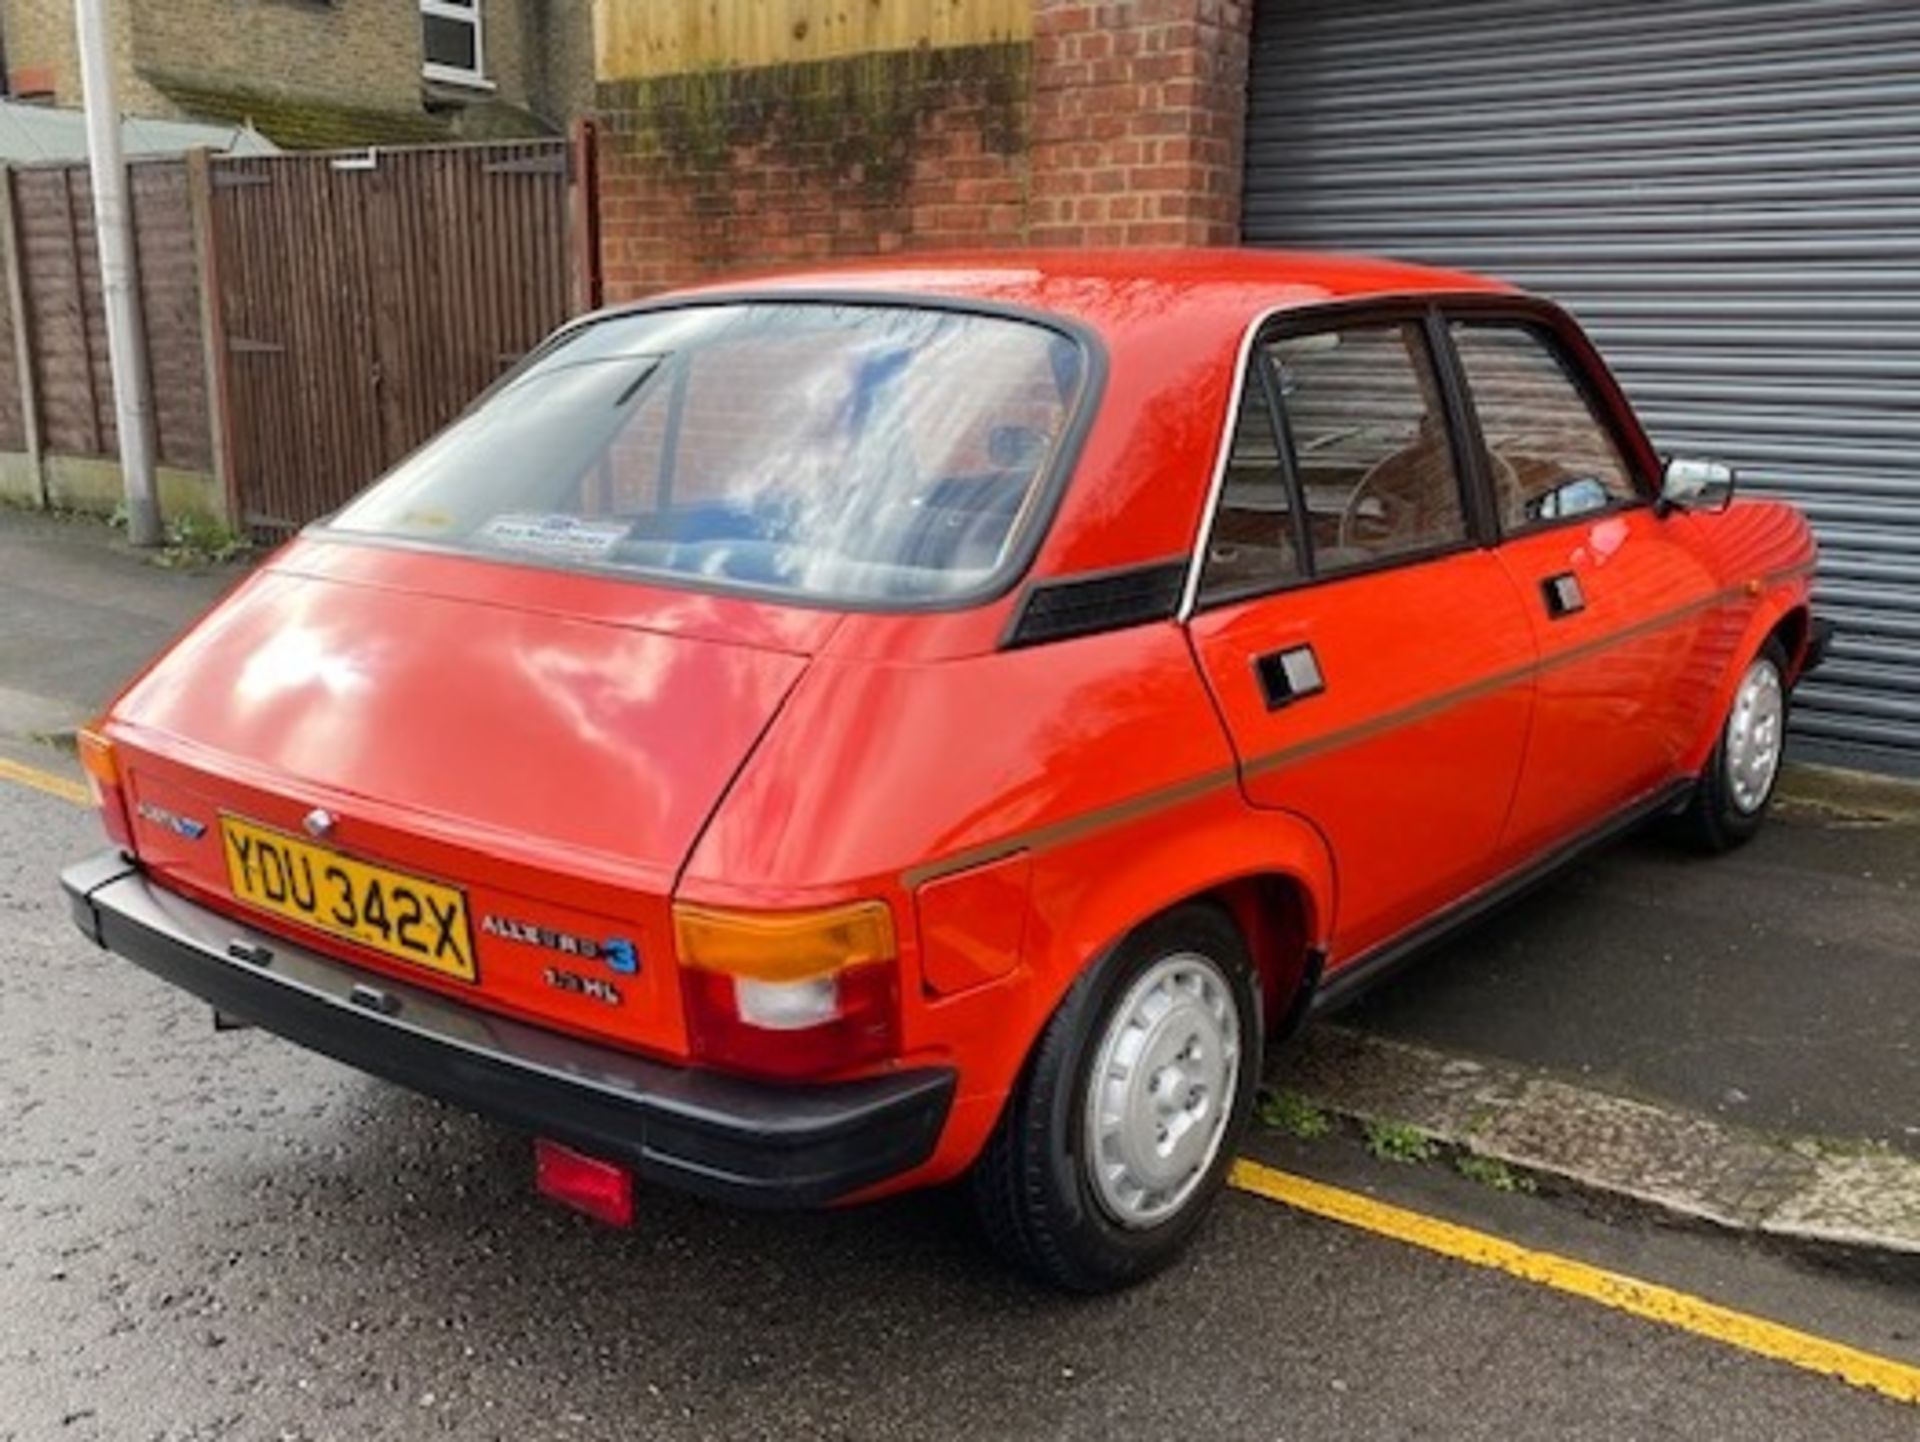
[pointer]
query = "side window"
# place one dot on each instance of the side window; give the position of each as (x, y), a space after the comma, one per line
(1371, 444)
(1550, 455)
(1251, 547)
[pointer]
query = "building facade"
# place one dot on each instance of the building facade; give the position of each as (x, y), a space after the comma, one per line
(1727, 192)
(322, 73)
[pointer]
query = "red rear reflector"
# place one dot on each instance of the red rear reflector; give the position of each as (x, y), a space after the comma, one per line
(600, 1189)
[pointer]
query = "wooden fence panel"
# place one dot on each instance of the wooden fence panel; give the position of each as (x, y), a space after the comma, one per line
(60, 279)
(297, 374)
(309, 319)
(170, 311)
(84, 246)
(368, 298)
(640, 38)
(51, 258)
(13, 421)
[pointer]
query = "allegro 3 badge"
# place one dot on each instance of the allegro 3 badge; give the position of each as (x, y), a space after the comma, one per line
(616, 953)
(182, 826)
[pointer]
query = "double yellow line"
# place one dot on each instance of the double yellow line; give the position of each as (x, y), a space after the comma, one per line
(45, 781)
(1647, 1300)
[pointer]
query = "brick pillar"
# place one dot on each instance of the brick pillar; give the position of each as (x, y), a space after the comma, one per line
(1138, 121)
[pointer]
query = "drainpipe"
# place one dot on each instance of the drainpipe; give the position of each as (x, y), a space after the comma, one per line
(119, 285)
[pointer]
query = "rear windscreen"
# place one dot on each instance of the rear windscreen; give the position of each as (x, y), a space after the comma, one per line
(858, 453)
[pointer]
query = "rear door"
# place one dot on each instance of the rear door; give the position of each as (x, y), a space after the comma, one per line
(1369, 656)
(1620, 606)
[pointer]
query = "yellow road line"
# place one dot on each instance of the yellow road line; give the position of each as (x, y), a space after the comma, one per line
(1610, 1289)
(45, 781)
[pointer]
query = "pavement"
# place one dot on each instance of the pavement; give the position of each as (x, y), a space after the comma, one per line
(1776, 988)
(221, 1236)
(1827, 1197)
(80, 613)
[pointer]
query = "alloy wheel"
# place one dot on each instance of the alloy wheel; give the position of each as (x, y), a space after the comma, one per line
(1165, 1073)
(1755, 733)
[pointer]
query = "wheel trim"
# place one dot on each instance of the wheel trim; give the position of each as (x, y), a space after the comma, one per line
(1165, 1073)
(1755, 735)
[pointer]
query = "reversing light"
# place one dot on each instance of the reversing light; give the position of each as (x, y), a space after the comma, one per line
(787, 1005)
(789, 993)
(102, 767)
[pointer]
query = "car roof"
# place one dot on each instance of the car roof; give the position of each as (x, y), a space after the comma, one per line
(1114, 290)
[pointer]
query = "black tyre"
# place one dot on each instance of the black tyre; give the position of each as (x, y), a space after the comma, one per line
(1118, 1138)
(1730, 800)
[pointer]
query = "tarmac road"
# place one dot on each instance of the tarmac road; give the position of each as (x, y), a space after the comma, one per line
(219, 1236)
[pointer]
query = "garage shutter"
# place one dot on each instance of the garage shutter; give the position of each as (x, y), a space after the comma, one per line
(1728, 194)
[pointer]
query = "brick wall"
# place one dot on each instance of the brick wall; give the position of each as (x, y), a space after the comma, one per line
(784, 164)
(1119, 124)
(43, 51)
(352, 52)
(358, 54)
(1139, 121)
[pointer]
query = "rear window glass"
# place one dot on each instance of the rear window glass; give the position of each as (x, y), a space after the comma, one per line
(856, 453)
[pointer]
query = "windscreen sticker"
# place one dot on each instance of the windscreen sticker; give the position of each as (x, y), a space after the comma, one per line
(427, 519)
(569, 536)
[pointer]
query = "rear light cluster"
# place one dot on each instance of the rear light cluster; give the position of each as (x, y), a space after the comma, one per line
(97, 759)
(790, 994)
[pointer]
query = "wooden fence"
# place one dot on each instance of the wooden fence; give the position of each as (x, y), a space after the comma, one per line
(309, 318)
(640, 38)
(56, 390)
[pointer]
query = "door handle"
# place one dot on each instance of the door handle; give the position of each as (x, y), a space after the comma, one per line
(1289, 675)
(1563, 595)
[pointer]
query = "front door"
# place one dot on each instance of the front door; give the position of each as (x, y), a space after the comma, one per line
(1370, 658)
(1618, 606)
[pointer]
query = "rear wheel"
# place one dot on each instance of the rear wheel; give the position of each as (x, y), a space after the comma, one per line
(1731, 798)
(1118, 1138)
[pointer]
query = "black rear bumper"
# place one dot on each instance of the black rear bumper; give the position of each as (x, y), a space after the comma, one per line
(701, 1132)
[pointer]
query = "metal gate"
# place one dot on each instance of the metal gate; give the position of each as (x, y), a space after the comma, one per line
(1726, 191)
(366, 298)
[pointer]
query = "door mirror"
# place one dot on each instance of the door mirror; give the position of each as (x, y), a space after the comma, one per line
(1691, 485)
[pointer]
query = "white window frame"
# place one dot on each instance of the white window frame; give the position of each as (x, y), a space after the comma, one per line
(469, 14)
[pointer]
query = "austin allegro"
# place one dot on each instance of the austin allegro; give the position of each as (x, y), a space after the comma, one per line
(802, 739)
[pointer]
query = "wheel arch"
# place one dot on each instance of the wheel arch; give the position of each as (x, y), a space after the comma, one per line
(1274, 914)
(1271, 872)
(1794, 630)
(1786, 615)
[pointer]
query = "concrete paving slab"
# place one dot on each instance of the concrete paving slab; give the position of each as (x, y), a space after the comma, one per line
(1804, 1191)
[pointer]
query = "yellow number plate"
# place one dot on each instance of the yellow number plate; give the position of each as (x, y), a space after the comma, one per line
(403, 916)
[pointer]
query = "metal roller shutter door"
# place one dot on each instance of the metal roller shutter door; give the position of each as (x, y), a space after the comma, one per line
(1727, 194)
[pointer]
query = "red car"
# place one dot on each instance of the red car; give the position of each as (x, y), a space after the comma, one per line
(801, 739)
